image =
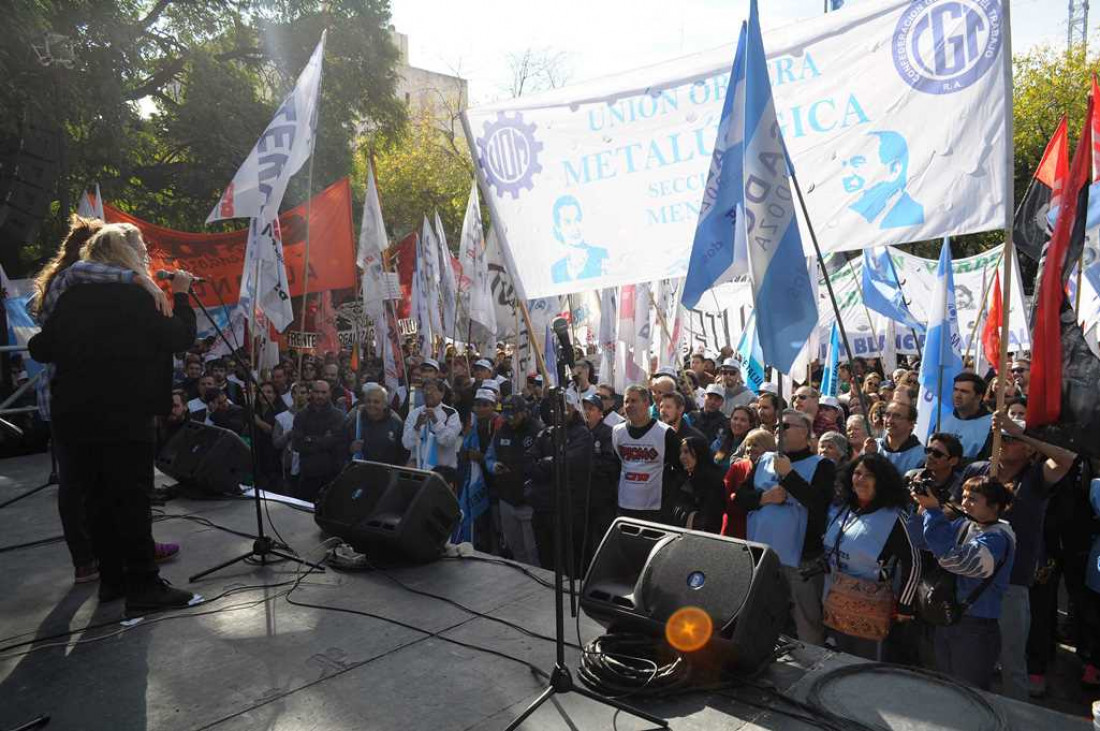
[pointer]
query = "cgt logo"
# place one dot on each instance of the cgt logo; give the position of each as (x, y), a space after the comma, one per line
(630, 453)
(945, 46)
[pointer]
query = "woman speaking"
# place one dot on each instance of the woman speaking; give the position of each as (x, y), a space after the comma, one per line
(98, 335)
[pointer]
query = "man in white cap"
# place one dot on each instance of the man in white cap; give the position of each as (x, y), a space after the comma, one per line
(475, 444)
(432, 433)
(582, 380)
(736, 394)
(710, 420)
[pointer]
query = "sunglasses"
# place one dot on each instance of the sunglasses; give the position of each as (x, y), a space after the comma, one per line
(800, 397)
(1019, 370)
(931, 452)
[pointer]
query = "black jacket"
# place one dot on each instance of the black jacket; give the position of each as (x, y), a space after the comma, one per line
(540, 467)
(319, 440)
(605, 471)
(381, 439)
(509, 448)
(702, 494)
(101, 333)
(713, 424)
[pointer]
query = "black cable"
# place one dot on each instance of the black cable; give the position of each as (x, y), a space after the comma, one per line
(32, 544)
(463, 607)
(621, 665)
(504, 562)
(814, 696)
(428, 633)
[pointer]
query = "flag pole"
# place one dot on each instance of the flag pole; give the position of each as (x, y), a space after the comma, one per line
(867, 314)
(309, 209)
(1008, 255)
(981, 312)
(824, 274)
(394, 331)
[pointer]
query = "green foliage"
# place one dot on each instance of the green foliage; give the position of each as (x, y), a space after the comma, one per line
(166, 97)
(423, 170)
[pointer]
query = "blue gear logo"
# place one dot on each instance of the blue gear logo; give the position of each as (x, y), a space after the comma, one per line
(508, 153)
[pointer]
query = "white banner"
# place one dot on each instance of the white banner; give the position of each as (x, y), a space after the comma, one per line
(893, 113)
(723, 312)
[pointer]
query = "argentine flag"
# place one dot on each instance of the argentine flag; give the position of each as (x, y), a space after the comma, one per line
(942, 351)
(718, 252)
(786, 307)
(882, 290)
(752, 360)
(832, 360)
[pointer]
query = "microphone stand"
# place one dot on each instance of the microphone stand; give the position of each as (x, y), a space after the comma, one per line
(561, 680)
(263, 546)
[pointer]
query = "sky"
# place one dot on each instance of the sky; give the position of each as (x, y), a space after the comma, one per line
(474, 38)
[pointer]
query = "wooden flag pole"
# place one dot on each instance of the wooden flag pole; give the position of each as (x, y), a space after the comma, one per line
(1008, 254)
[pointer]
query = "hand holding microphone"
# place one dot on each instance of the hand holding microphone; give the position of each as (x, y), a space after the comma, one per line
(181, 279)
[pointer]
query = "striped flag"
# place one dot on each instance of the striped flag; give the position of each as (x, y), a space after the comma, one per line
(942, 351)
(784, 299)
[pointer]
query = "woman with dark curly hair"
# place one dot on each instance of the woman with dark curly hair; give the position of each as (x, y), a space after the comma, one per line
(727, 447)
(867, 546)
(701, 500)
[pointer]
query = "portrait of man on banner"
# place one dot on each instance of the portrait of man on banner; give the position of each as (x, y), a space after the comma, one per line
(582, 260)
(880, 176)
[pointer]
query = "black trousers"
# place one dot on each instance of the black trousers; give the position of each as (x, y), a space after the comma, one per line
(71, 496)
(115, 478)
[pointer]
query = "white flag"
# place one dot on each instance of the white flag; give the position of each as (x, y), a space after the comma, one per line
(448, 287)
(372, 241)
(429, 255)
(263, 280)
(279, 153)
(475, 265)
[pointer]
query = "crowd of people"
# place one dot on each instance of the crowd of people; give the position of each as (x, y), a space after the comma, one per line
(872, 524)
(849, 502)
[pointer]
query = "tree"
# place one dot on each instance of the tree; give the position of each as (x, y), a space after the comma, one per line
(165, 98)
(534, 70)
(423, 170)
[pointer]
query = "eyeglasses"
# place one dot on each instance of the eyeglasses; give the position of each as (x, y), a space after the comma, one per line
(1019, 370)
(800, 397)
(789, 425)
(931, 452)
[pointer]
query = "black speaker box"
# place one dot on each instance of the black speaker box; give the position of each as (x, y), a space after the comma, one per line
(209, 458)
(395, 512)
(643, 572)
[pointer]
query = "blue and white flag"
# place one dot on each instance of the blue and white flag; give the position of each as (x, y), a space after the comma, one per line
(832, 360)
(942, 351)
(749, 354)
(882, 290)
(473, 500)
(718, 252)
(550, 354)
(784, 299)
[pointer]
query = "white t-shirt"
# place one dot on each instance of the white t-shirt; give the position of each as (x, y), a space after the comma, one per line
(641, 480)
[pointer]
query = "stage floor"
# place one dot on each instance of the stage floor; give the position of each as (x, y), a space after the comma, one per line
(253, 660)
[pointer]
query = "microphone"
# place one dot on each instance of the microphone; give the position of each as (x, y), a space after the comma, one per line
(163, 274)
(561, 329)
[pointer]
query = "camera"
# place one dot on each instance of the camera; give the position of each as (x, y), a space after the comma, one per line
(924, 484)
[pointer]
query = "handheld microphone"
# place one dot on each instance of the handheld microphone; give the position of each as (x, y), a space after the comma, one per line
(163, 274)
(561, 329)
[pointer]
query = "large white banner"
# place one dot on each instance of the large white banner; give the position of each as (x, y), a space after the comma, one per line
(973, 276)
(893, 113)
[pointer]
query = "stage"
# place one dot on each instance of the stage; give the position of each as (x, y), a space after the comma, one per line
(253, 660)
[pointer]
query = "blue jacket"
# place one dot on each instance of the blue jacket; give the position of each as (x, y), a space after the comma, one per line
(972, 551)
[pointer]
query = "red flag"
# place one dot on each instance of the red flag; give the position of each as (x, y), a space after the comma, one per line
(1030, 230)
(991, 333)
(1044, 398)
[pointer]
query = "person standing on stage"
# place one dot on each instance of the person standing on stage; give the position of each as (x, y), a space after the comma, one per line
(96, 332)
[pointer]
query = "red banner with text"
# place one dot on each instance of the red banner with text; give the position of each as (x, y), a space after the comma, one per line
(219, 257)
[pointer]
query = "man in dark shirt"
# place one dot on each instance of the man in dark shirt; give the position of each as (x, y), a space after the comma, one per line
(710, 420)
(225, 414)
(318, 438)
(505, 462)
(373, 432)
(604, 483)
